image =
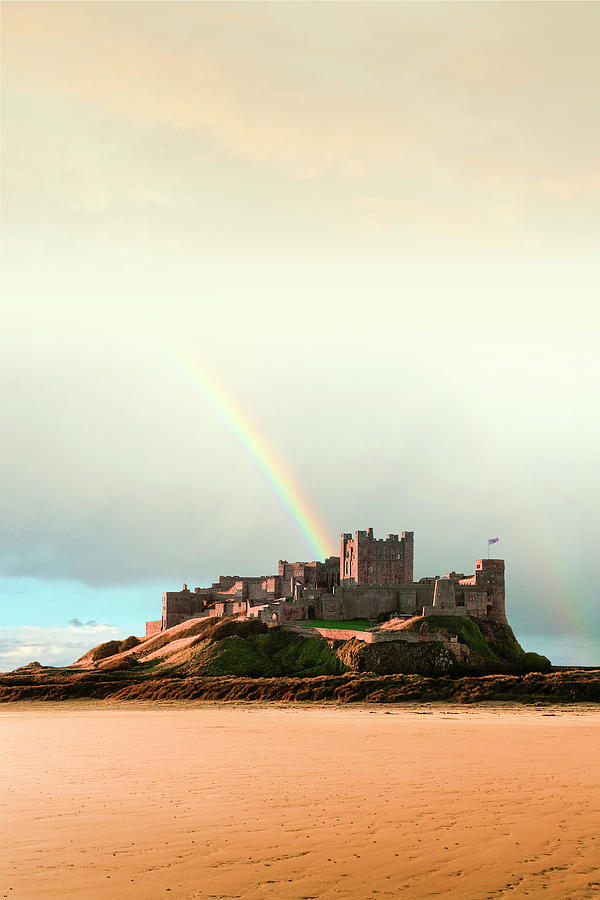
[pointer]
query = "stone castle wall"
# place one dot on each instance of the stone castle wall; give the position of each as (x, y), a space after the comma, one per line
(370, 579)
(353, 601)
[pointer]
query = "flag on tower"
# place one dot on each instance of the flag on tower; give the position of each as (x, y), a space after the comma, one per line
(493, 541)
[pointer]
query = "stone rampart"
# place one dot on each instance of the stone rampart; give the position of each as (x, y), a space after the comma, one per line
(153, 628)
(446, 611)
(346, 634)
(461, 651)
(330, 634)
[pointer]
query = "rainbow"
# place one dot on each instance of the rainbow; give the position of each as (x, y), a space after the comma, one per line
(306, 521)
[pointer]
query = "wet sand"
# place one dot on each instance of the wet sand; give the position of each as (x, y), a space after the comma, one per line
(230, 801)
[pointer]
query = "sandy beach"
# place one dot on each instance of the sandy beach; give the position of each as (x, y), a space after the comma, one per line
(147, 801)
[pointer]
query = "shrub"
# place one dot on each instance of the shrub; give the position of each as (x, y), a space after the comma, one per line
(109, 648)
(535, 662)
(128, 643)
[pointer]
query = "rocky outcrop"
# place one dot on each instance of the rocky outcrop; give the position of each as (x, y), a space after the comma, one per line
(423, 658)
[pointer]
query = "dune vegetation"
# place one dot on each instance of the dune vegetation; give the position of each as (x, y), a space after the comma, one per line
(225, 659)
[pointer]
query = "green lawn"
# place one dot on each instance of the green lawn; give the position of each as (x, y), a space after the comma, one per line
(352, 625)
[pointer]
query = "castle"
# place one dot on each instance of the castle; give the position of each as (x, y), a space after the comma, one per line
(371, 579)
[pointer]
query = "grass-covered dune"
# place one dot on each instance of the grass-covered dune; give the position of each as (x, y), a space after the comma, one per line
(219, 647)
(272, 653)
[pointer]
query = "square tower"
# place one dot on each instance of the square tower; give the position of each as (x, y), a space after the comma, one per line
(368, 560)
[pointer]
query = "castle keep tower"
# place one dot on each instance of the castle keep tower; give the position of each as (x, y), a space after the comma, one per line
(368, 560)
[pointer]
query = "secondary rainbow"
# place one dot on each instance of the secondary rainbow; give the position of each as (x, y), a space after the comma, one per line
(304, 518)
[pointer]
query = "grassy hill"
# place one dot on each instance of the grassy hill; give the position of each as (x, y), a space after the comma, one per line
(220, 647)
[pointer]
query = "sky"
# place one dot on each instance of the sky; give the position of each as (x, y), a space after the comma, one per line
(372, 226)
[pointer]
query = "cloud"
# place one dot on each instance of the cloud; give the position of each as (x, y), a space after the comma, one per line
(479, 97)
(57, 645)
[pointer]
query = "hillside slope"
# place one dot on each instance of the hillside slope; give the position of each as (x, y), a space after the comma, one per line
(249, 648)
(218, 647)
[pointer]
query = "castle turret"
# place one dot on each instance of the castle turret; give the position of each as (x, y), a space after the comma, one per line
(443, 594)
(489, 573)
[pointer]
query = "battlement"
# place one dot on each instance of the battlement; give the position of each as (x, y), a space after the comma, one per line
(489, 565)
(368, 534)
(455, 576)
